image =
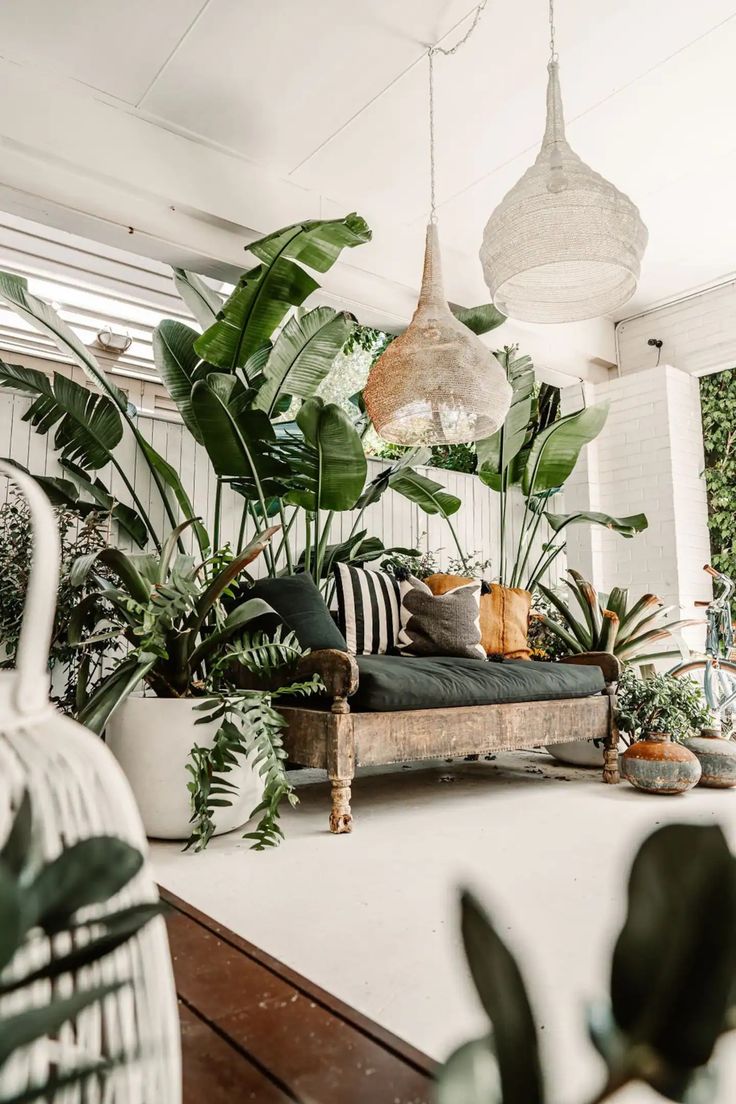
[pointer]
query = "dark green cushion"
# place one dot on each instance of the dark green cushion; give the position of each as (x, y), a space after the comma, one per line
(390, 682)
(302, 608)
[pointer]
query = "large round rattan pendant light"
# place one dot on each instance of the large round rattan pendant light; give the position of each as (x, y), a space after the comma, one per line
(436, 383)
(564, 244)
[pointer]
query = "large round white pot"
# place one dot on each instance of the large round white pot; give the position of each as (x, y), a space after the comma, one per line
(581, 753)
(151, 739)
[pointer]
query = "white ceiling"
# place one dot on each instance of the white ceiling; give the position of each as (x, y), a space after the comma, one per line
(332, 96)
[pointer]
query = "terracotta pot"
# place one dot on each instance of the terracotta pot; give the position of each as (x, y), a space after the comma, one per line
(658, 765)
(717, 758)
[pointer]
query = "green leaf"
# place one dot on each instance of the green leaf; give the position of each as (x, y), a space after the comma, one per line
(265, 294)
(302, 356)
(42, 317)
(625, 526)
(118, 562)
(250, 610)
(674, 964)
(88, 425)
(222, 580)
(429, 496)
(127, 518)
(503, 995)
(14, 853)
(177, 364)
(25, 1027)
(554, 452)
(470, 1075)
(202, 300)
(113, 690)
(87, 873)
(171, 478)
(341, 466)
(481, 319)
(495, 453)
(13, 919)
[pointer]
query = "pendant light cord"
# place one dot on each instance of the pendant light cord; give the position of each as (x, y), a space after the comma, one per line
(447, 51)
(553, 56)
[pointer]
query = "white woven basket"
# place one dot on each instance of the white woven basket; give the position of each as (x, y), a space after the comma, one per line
(77, 790)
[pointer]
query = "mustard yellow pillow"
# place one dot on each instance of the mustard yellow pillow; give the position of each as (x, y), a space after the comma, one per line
(504, 615)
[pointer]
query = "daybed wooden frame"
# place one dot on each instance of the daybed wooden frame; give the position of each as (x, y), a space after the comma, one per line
(339, 741)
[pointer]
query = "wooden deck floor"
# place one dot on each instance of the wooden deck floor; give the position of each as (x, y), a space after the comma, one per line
(254, 1030)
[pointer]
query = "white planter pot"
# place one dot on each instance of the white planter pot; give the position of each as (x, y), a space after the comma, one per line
(151, 739)
(581, 753)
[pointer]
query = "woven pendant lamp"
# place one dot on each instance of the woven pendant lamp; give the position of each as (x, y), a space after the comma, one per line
(564, 244)
(437, 383)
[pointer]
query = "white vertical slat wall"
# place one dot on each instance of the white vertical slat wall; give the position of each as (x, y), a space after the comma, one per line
(394, 519)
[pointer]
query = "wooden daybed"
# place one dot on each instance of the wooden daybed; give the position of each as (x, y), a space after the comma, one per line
(339, 740)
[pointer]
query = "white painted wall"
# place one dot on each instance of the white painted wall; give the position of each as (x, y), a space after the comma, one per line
(648, 459)
(699, 334)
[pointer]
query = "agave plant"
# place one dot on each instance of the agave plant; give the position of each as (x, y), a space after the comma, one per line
(534, 453)
(608, 623)
(53, 900)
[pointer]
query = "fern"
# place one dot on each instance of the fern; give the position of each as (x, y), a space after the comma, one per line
(250, 727)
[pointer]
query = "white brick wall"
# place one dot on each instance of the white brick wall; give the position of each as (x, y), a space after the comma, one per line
(699, 334)
(648, 459)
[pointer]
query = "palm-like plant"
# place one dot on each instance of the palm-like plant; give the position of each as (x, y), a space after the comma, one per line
(608, 622)
(63, 900)
(534, 453)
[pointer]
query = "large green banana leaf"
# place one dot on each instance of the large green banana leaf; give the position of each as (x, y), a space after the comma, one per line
(235, 437)
(179, 367)
(330, 466)
(203, 301)
(127, 518)
(481, 319)
(495, 453)
(302, 355)
(88, 425)
(429, 496)
(554, 452)
(266, 293)
(42, 317)
(625, 526)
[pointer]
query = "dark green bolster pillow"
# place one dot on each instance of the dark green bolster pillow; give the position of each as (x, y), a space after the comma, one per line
(299, 604)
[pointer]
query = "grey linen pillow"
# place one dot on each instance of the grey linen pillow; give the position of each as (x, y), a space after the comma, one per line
(443, 624)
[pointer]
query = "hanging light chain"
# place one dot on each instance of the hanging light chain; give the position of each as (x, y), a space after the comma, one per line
(436, 49)
(552, 47)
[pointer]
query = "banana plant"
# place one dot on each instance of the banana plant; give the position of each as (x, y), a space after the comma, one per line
(593, 622)
(168, 608)
(54, 899)
(532, 455)
(88, 426)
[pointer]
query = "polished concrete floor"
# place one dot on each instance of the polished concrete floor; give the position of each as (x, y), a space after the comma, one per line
(372, 916)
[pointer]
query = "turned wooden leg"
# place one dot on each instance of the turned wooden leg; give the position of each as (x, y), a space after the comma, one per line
(610, 752)
(340, 816)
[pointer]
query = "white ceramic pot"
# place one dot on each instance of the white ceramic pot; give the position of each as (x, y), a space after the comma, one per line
(151, 739)
(581, 753)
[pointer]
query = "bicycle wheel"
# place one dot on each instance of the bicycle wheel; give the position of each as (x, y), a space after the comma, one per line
(718, 683)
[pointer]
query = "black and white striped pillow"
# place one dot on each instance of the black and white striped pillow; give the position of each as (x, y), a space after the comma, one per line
(368, 609)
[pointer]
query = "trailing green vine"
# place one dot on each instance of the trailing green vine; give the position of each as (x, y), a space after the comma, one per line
(718, 402)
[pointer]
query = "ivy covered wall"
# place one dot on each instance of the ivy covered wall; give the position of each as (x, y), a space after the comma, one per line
(718, 402)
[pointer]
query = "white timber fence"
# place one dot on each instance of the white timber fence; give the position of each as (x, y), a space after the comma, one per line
(393, 519)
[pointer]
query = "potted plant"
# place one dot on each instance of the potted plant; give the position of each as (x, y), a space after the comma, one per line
(656, 714)
(201, 753)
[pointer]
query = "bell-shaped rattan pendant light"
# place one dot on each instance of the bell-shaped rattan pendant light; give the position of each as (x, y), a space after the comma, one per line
(564, 244)
(437, 383)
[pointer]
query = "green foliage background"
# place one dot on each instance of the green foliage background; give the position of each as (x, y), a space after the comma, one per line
(718, 401)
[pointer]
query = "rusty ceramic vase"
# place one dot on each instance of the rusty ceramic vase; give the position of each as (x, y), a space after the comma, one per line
(659, 765)
(717, 758)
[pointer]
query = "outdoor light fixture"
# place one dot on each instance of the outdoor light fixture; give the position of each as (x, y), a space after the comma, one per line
(436, 383)
(564, 244)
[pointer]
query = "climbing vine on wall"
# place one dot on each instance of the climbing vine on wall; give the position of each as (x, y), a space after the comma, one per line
(718, 401)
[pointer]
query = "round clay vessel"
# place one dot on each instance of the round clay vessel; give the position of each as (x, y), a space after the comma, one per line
(658, 765)
(717, 758)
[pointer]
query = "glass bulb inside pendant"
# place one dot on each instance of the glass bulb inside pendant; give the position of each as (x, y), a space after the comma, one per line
(557, 179)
